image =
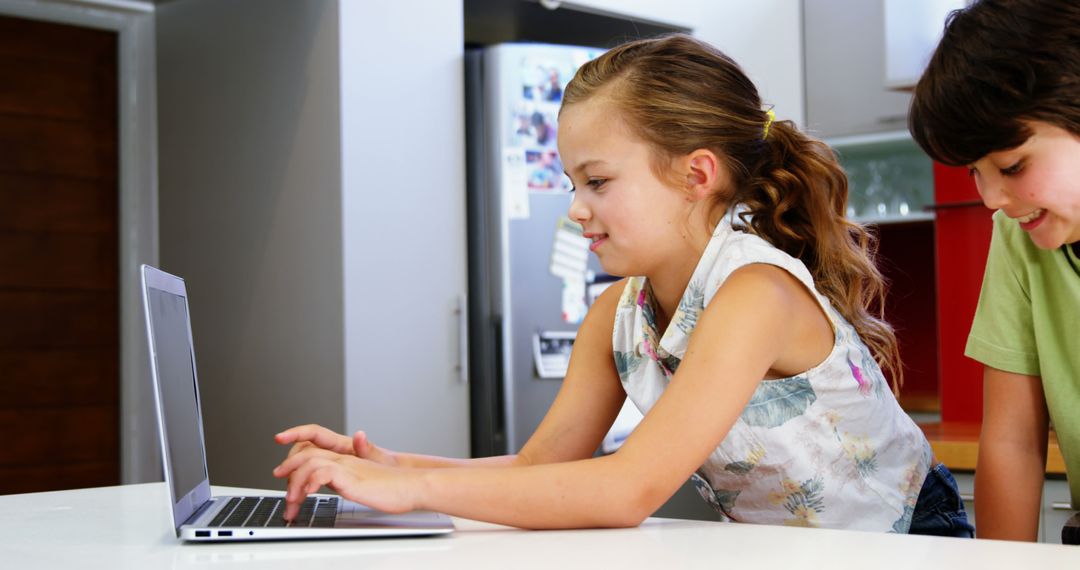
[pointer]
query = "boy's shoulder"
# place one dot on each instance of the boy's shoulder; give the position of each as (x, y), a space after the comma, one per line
(1014, 256)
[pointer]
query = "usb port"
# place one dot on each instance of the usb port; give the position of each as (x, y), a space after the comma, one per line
(224, 533)
(202, 534)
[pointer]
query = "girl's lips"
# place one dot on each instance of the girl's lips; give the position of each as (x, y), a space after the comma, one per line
(597, 239)
(1034, 222)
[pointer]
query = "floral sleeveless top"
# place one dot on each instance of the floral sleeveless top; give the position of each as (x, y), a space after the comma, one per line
(829, 447)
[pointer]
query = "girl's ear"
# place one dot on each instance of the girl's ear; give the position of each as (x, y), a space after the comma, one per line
(704, 173)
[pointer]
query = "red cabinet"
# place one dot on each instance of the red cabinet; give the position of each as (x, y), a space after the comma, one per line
(962, 232)
(906, 258)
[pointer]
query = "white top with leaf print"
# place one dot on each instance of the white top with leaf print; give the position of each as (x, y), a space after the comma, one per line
(830, 447)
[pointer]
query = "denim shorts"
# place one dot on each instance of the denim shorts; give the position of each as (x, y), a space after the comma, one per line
(939, 511)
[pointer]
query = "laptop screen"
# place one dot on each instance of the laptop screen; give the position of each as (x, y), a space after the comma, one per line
(179, 400)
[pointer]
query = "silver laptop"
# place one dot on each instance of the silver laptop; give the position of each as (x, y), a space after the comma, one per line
(196, 515)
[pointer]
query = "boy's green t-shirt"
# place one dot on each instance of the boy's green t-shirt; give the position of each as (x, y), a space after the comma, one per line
(1028, 322)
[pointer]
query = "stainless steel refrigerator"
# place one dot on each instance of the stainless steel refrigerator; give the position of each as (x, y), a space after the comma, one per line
(530, 271)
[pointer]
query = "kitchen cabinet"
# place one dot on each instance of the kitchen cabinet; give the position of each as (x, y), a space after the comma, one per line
(890, 179)
(906, 259)
(844, 54)
(912, 31)
(963, 227)
(1056, 509)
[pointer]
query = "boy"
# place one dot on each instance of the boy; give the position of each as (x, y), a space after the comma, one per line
(1001, 95)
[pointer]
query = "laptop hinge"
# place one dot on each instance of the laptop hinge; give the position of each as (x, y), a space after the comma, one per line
(199, 511)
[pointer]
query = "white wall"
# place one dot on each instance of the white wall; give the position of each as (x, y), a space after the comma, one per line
(763, 36)
(403, 212)
(250, 202)
(312, 194)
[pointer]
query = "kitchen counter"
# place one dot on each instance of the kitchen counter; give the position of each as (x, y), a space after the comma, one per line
(129, 527)
(956, 444)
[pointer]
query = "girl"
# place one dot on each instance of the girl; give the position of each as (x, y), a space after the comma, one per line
(742, 333)
(1001, 96)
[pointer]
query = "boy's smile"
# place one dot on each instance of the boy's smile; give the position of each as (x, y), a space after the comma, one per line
(1031, 221)
(1037, 184)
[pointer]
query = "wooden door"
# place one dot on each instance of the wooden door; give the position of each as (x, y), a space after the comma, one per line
(59, 313)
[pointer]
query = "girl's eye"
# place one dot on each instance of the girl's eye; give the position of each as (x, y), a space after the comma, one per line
(971, 171)
(595, 183)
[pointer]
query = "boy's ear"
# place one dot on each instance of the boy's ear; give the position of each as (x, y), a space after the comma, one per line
(703, 173)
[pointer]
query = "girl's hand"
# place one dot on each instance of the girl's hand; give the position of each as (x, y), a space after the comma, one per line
(305, 436)
(364, 449)
(311, 435)
(388, 489)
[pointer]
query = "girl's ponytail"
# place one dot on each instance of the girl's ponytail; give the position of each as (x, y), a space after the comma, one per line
(795, 196)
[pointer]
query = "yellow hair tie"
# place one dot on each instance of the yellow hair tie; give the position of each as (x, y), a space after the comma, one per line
(768, 123)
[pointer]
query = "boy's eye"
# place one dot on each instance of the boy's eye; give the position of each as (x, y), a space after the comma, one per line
(971, 171)
(1012, 169)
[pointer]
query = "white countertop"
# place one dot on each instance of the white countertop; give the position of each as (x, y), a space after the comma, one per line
(41, 531)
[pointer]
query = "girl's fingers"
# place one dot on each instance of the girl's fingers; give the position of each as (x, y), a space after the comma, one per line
(361, 444)
(307, 472)
(292, 434)
(367, 450)
(324, 475)
(293, 462)
(296, 490)
(316, 435)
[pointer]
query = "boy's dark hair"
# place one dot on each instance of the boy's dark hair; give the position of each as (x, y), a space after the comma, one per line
(999, 63)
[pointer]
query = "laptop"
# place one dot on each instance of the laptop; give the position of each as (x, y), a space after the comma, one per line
(198, 516)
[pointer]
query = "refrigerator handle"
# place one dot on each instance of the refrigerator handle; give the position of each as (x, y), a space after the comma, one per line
(462, 366)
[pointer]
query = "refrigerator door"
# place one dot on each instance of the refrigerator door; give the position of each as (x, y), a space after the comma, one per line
(528, 268)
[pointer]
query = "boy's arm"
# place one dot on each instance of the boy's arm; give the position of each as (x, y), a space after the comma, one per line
(1012, 456)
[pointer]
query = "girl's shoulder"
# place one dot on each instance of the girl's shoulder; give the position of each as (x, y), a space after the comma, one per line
(610, 300)
(732, 249)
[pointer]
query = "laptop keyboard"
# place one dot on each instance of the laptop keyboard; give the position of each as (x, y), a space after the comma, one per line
(315, 512)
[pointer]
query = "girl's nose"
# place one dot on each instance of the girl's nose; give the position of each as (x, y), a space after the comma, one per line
(578, 211)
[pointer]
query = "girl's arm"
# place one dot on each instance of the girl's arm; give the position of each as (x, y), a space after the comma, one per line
(751, 322)
(1011, 468)
(575, 424)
